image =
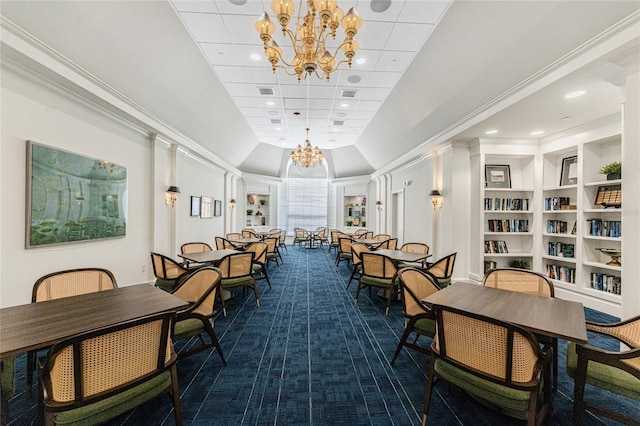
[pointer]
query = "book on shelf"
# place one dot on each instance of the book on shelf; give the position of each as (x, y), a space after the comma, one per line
(604, 228)
(561, 273)
(557, 203)
(556, 227)
(506, 204)
(489, 264)
(495, 246)
(605, 282)
(508, 225)
(559, 249)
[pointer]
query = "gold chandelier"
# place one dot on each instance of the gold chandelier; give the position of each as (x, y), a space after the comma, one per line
(309, 38)
(307, 156)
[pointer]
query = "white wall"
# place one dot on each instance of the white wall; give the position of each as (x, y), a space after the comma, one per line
(31, 111)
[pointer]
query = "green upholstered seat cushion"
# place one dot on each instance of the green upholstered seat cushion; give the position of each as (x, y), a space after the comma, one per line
(187, 328)
(377, 282)
(115, 405)
(425, 327)
(166, 285)
(496, 394)
(257, 268)
(7, 377)
(443, 282)
(605, 376)
(347, 256)
(236, 282)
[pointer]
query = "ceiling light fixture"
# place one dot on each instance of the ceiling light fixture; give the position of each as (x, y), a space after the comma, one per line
(537, 133)
(574, 94)
(309, 37)
(491, 132)
(307, 157)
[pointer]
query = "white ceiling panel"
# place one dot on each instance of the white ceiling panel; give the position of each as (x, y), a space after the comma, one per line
(408, 37)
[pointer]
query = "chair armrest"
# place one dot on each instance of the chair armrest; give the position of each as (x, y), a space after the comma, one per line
(617, 359)
(627, 331)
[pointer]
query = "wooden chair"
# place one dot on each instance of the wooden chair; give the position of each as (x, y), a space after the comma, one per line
(525, 281)
(272, 250)
(615, 371)
(196, 247)
(333, 243)
(360, 233)
(248, 233)
(237, 271)
(232, 236)
(442, 269)
(378, 271)
(71, 282)
(222, 244)
(200, 290)
(167, 271)
(283, 240)
(321, 235)
(415, 285)
(98, 375)
(259, 251)
(419, 248)
(508, 373)
(300, 236)
(344, 250)
(382, 237)
(356, 250)
(393, 244)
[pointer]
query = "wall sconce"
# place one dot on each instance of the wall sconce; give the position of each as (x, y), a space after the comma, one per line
(232, 204)
(379, 205)
(436, 199)
(171, 196)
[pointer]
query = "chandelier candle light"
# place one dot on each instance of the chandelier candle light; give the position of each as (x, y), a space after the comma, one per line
(309, 38)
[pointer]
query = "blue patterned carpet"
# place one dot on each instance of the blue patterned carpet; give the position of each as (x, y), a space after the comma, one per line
(309, 356)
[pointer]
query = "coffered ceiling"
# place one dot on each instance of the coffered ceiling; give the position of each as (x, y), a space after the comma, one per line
(434, 71)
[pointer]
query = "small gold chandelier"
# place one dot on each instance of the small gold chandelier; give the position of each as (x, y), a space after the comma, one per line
(307, 156)
(309, 38)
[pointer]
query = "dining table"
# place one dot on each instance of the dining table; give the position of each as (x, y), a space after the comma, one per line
(39, 325)
(548, 316)
(212, 257)
(403, 256)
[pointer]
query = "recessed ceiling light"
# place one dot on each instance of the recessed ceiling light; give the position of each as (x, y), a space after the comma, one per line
(344, 105)
(380, 6)
(574, 94)
(270, 103)
(255, 56)
(361, 61)
(341, 114)
(354, 79)
(336, 130)
(278, 128)
(491, 132)
(537, 133)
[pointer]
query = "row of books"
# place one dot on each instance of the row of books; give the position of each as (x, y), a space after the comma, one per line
(561, 273)
(489, 264)
(604, 228)
(558, 203)
(507, 204)
(556, 227)
(561, 249)
(608, 283)
(495, 246)
(508, 225)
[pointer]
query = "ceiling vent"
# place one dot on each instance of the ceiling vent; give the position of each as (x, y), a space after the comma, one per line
(348, 93)
(338, 122)
(266, 91)
(276, 121)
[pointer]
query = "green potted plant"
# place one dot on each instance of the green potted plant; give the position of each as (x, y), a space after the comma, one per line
(518, 263)
(349, 223)
(364, 223)
(263, 201)
(612, 170)
(249, 212)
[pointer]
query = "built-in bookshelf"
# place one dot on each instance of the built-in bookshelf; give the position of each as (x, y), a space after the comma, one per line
(507, 210)
(355, 210)
(257, 210)
(576, 230)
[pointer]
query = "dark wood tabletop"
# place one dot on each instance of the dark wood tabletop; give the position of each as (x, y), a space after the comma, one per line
(39, 325)
(543, 315)
(402, 256)
(213, 256)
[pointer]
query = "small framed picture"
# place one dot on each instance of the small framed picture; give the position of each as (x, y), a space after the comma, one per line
(217, 208)
(569, 173)
(206, 207)
(497, 176)
(195, 206)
